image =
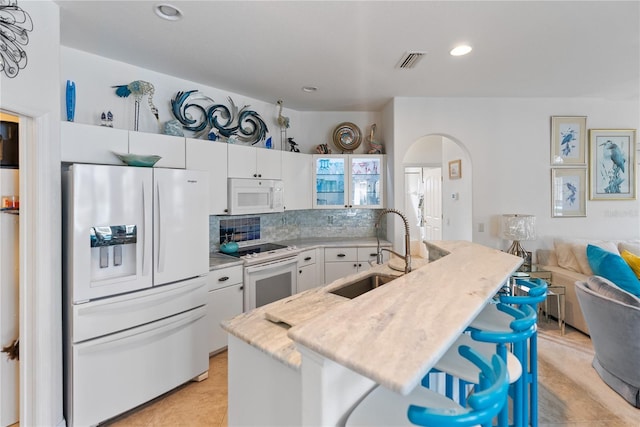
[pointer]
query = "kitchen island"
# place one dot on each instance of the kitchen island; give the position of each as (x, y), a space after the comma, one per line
(308, 359)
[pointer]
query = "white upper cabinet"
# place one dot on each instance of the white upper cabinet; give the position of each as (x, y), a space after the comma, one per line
(252, 162)
(297, 176)
(212, 157)
(82, 143)
(170, 148)
(348, 181)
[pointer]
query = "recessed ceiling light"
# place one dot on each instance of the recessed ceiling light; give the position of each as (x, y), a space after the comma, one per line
(309, 89)
(168, 12)
(460, 50)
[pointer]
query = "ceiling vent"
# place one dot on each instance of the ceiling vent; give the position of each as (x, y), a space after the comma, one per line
(410, 59)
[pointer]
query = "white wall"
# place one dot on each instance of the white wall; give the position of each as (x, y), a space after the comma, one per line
(94, 75)
(317, 128)
(457, 203)
(508, 141)
(34, 95)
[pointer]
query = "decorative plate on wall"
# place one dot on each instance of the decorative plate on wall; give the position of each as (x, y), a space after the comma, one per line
(347, 136)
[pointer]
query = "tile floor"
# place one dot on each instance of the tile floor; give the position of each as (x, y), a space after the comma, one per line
(570, 391)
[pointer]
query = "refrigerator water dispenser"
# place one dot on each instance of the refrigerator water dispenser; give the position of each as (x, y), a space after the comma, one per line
(113, 252)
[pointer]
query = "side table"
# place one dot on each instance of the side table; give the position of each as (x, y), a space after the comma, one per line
(556, 291)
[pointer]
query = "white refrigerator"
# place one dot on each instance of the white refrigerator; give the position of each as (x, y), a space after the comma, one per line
(136, 256)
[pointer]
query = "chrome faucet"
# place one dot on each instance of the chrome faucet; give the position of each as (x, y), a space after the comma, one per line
(407, 243)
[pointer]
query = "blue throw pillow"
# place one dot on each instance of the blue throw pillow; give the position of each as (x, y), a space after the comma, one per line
(613, 268)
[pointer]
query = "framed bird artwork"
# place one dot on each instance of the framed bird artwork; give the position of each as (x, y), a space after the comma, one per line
(568, 140)
(568, 192)
(612, 170)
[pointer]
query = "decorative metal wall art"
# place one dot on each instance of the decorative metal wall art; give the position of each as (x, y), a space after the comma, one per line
(242, 125)
(138, 88)
(14, 24)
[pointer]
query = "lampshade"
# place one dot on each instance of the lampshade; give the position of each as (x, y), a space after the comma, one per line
(518, 227)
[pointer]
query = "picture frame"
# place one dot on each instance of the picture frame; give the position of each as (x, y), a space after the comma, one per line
(568, 192)
(455, 169)
(568, 140)
(612, 169)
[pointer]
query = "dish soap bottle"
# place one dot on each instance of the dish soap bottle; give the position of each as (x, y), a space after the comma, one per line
(228, 247)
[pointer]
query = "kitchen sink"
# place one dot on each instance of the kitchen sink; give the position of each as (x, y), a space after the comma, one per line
(363, 285)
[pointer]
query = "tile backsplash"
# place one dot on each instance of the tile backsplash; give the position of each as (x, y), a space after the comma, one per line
(323, 223)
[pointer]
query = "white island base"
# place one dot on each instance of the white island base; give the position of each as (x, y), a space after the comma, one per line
(336, 350)
(265, 392)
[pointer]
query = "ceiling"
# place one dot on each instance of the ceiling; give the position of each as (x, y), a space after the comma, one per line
(349, 50)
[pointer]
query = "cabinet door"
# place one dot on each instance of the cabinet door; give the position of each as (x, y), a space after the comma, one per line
(329, 188)
(307, 277)
(223, 304)
(80, 143)
(365, 181)
(268, 163)
(211, 157)
(297, 177)
(171, 148)
(338, 270)
(241, 161)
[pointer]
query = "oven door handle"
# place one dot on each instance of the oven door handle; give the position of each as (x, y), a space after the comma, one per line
(270, 265)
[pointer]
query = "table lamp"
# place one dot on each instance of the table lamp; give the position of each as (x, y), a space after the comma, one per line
(518, 227)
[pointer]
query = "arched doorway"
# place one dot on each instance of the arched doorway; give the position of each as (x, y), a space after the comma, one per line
(427, 157)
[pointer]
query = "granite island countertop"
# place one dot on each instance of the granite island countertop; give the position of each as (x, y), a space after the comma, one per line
(393, 334)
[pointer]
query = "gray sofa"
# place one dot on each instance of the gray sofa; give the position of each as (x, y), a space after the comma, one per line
(613, 317)
(568, 264)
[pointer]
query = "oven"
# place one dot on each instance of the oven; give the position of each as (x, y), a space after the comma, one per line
(266, 282)
(270, 273)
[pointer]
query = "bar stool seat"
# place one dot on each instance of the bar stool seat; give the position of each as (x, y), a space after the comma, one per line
(453, 364)
(491, 318)
(383, 407)
(519, 327)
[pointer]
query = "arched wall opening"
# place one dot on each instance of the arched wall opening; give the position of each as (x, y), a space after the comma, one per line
(424, 156)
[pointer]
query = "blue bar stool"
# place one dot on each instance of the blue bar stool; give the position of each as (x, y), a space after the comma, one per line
(517, 331)
(423, 407)
(492, 319)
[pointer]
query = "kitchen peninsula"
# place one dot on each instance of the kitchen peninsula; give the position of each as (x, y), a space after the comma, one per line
(309, 358)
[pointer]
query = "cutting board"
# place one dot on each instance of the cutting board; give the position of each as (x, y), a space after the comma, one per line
(298, 310)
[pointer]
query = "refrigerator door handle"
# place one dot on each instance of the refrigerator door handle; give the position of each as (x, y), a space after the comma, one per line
(161, 248)
(145, 249)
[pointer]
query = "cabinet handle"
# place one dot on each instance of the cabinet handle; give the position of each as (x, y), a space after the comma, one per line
(259, 175)
(255, 175)
(342, 255)
(374, 254)
(359, 265)
(355, 265)
(241, 288)
(223, 279)
(346, 206)
(307, 258)
(300, 271)
(226, 210)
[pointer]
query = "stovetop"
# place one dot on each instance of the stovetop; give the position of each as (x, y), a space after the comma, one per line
(257, 249)
(265, 252)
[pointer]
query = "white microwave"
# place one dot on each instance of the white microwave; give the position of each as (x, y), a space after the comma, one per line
(253, 196)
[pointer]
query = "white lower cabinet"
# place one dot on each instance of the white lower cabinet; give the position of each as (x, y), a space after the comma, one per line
(308, 276)
(343, 261)
(225, 300)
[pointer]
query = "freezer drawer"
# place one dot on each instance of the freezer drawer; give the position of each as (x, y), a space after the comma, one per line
(113, 374)
(101, 317)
